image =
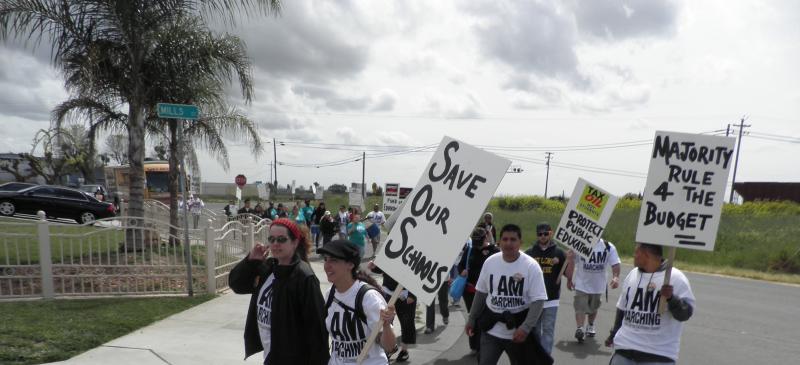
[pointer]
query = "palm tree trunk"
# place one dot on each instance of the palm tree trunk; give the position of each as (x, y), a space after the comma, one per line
(134, 238)
(173, 182)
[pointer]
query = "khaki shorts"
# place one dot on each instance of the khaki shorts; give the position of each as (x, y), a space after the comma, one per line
(586, 303)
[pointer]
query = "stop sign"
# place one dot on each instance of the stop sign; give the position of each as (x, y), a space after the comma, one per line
(241, 180)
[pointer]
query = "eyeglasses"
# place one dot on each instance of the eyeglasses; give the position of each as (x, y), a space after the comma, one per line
(543, 233)
(278, 239)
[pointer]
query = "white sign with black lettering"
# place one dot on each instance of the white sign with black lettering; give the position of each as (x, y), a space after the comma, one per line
(685, 190)
(439, 215)
(585, 218)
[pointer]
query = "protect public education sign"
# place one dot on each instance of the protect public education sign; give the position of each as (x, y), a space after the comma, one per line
(685, 190)
(439, 215)
(585, 218)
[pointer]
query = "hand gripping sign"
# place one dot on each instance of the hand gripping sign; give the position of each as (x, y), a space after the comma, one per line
(585, 218)
(683, 196)
(437, 217)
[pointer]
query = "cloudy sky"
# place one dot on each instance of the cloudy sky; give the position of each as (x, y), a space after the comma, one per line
(590, 81)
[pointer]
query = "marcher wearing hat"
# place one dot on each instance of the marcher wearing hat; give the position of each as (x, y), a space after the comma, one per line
(285, 299)
(327, 227)
(354, 306)
(480, 248)
(488, 225)
(551, 258)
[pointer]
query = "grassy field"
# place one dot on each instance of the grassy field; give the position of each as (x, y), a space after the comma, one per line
(35, 332)
(760, 237)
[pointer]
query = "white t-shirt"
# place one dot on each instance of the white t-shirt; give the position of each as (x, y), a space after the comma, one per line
(264, 314)
(348, 333)
(376, 217)
(510, 286)
(590, 276)
(643, 329)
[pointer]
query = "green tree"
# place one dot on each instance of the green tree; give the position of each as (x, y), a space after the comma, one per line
(121, 35)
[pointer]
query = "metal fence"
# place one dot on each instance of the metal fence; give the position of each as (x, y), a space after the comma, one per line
(118, 256)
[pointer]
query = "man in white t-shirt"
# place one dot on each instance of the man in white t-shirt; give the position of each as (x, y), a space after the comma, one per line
(508, 302)
(641, 335)
(378, 219)
(589, 283)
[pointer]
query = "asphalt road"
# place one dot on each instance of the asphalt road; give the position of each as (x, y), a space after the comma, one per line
(737, 321)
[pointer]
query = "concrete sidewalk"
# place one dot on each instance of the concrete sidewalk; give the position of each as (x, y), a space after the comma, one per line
(211, 333)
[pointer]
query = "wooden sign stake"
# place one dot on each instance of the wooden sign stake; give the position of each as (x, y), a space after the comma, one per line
(662, 304)
(377, 328)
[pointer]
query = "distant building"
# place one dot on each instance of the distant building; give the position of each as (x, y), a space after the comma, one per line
(751, 191)
(23, 167)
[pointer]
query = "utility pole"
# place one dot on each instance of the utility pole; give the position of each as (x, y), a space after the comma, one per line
(363, 185)
(742, 126)
(728, 130)
(547, 177)
(275, 163)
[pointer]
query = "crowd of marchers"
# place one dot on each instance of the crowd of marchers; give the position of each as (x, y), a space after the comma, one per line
(512, 296)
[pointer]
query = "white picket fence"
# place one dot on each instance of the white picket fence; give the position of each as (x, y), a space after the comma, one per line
(120, 256)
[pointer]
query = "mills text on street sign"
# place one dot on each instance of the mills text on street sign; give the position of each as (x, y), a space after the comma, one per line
(178, 111)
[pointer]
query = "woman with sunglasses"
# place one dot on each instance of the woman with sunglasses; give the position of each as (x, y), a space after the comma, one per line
(285, 299)
(354, 307)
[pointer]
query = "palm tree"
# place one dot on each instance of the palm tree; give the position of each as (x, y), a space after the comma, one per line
(121, 35)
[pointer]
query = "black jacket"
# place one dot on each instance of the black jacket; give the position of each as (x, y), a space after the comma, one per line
(328, 226)
(298, 311)
(477, 257)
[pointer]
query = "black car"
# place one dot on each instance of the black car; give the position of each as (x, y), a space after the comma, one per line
(56, 202)
(15, 186)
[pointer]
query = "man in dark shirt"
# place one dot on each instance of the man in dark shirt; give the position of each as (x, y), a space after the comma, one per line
(551, 258)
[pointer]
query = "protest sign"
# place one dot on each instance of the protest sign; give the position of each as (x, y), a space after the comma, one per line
(439, 215)
(585, 218)
(391, 198)
(354, 197)
(263, 191)
(685, 189)
(319, 192)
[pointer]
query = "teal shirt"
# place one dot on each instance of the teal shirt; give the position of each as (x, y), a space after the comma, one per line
(300, 219)
(358, 235)
(308, 212)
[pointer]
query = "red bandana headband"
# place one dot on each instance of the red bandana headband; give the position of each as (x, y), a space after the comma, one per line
(289, 225)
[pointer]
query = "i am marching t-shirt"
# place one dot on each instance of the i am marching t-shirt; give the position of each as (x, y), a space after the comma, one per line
(643, 328)
(348, 333)
(264, 314)
(590, 275)
(510, 286)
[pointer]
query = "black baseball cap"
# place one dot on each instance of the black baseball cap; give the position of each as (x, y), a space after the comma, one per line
(341, 249)
(541, 227)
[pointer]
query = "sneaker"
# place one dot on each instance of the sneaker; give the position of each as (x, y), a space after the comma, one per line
(402, 356)
(446, 320)
(579, 334)
(428, 330)
(590, 332)
(393, 351)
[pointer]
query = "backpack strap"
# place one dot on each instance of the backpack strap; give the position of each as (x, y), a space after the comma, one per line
(359, 309)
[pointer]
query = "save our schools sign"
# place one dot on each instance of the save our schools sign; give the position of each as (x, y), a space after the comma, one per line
(682, 200)
(439, 215)
(585, 218)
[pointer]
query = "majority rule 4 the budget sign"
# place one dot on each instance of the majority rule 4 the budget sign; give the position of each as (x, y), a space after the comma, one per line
(685, 190)
(585, 218)
(439, 215)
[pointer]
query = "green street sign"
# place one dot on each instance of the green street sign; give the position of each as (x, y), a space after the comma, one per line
(178, 111)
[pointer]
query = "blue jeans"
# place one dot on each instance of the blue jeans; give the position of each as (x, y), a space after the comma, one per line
(546, 327)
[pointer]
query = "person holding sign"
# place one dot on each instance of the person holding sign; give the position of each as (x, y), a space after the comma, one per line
(642, 335)
(285, 299)
(551, 259)
(354, 306)
(508, 302)
(590, 282)
(473, 257)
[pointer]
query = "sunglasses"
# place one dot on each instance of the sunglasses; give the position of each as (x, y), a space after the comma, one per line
(543, 233)
(278, 239)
